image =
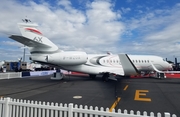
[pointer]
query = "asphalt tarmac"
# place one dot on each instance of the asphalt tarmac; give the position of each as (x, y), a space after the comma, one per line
(144, 94)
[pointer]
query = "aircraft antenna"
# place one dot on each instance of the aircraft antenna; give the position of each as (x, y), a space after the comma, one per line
(109, 53)
(26, 20)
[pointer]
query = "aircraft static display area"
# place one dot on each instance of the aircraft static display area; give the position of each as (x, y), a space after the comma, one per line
(44, 51)
(142, 94)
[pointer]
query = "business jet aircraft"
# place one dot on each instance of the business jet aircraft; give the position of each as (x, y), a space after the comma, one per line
(44, 51)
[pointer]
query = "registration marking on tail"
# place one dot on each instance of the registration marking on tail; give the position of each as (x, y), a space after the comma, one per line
(114, 104)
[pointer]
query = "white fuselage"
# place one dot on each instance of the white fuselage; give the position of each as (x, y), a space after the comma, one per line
(99, 63)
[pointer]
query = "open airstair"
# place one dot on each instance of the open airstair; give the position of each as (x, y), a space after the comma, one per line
(158, 74)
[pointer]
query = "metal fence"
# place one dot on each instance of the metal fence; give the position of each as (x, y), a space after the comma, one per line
(22, 108)
(10, 75)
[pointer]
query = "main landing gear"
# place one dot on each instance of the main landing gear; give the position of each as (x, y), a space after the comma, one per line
(105, 77)
(92, 76)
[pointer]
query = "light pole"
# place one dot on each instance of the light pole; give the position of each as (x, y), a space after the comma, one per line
(24, 54)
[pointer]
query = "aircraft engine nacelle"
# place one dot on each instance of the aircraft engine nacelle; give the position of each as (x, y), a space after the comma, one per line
(67, 58)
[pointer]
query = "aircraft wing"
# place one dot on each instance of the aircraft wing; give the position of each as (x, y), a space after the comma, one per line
(128, 68)
(127, 65)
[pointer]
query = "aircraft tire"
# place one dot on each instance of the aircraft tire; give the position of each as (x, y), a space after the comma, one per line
(92, 76)
(105, 77)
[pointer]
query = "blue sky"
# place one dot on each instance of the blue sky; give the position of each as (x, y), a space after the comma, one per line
(96, 26)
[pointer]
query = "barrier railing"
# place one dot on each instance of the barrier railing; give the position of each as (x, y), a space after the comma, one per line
(172, 72)
(22, 108)
(10, 75)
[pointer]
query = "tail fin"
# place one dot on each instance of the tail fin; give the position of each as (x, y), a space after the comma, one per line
(33, 38)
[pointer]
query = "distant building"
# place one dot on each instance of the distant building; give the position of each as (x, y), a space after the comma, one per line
(16, 66)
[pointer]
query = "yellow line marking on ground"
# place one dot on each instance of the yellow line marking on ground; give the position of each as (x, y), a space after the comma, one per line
(114, 104)
(125, 88)
(141, 93)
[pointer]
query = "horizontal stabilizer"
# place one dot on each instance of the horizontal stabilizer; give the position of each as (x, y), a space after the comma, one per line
(28, 42)
(128, 67)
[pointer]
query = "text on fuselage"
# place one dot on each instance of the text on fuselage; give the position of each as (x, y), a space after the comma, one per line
(71, 57)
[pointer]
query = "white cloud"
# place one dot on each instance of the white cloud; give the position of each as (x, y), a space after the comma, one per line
(9, 54)
(11, 43)
(125, 10)
(129, 1)
(64, 3)
(154, 32)
(98, 27)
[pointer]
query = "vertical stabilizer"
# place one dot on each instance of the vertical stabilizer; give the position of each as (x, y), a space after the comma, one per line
(33, 38)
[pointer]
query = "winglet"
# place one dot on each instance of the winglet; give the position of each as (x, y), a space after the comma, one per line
(128, 66)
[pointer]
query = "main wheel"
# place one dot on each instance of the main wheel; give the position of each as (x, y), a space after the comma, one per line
(93, 76)
(105, 77)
